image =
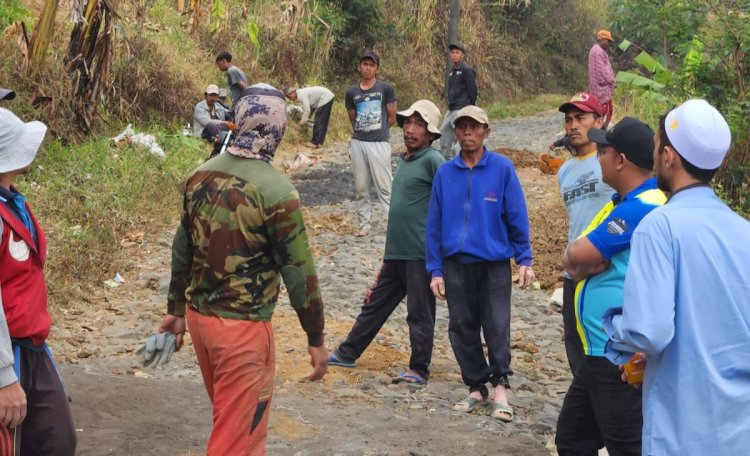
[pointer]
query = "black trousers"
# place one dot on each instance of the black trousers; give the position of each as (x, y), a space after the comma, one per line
(479, 300)
(599, 410)
(573, 344)
(48, 428)
(320, 124)
(396, 279)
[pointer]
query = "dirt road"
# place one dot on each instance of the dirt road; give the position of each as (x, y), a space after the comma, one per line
(124, 409)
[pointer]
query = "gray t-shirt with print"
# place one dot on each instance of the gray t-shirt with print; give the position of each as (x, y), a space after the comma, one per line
(371, 113)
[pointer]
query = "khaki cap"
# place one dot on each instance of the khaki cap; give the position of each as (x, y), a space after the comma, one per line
(472, 112)
(426, 110)
(212, 88)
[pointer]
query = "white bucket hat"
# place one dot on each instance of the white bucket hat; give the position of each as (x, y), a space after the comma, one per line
(427, 111)
(699, 133)
(19, 141)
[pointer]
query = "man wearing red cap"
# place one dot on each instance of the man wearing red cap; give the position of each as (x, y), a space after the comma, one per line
(584, 194)
(601, 75)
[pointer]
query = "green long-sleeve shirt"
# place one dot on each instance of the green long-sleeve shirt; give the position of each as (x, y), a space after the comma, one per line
(241, 231)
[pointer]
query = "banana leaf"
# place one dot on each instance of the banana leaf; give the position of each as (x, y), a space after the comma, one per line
(624, 45)
(636, 80)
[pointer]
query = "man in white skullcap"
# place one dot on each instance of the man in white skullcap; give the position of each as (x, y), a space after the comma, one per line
(686, 297)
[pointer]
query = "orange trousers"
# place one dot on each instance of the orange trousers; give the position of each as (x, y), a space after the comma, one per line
(237, 360)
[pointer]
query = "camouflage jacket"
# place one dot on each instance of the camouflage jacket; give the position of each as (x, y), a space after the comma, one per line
(241, 232)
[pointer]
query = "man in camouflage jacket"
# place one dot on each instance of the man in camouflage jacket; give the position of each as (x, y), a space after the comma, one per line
(242, 232)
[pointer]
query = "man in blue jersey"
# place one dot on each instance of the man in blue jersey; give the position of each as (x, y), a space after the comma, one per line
(599, 409)
(477, 221)
(685, 303)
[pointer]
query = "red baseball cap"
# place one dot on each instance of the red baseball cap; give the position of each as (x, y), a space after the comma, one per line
(583, 101)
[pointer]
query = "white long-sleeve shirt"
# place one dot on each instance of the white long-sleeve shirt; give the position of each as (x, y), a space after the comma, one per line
(686, 305)
(312, 98)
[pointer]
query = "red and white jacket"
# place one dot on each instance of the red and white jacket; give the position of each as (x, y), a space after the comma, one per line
(24, 292)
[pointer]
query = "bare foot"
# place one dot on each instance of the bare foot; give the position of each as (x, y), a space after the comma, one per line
(501, 398)
(310, 145)
(471, 402)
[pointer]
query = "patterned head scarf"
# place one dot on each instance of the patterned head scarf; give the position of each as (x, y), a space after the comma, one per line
(261, 120)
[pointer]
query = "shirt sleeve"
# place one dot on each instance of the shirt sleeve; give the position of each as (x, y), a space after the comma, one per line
(233, 77)
(305, 100)
(517, 218)
(613, 235)
(389, 93)
(471, 85)
(201, 117)
(291, 251)
(647, 320)
(182, 262)
(7, 374)
(433, 233)
(349, 100)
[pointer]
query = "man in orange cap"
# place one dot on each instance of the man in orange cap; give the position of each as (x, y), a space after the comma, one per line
(601, 75)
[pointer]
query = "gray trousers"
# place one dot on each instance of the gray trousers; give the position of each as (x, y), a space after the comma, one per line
(448, 141)
(371, 163)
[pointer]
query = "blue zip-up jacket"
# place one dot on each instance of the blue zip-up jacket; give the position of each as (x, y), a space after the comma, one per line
(479, 212)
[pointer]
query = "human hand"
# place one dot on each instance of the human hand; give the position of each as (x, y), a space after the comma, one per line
(176, 325)
(158, 348)
(12, 405)
(632, 371)
(526, 276)
(319, 362)
(437, 285)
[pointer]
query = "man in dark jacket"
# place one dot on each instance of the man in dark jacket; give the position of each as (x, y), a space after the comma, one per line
(462, 91)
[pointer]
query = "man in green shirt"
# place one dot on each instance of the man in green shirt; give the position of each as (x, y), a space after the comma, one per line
(403, 271)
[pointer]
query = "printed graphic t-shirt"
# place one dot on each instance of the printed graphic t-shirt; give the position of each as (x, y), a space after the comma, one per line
(371, 122)
(583, 192)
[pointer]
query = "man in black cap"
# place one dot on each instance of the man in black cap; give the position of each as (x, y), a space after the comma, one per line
(599, 409)
(7, 94)
(371, 105)
(462, 91)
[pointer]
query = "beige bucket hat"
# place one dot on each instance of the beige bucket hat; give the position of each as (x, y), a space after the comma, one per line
(427, 111)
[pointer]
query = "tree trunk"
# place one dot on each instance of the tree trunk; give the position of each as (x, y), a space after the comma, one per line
(41, 37)
(89, 58)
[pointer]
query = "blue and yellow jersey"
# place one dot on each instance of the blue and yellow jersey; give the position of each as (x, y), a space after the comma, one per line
(610, 232)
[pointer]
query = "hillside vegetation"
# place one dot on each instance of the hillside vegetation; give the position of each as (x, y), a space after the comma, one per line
(147, 63)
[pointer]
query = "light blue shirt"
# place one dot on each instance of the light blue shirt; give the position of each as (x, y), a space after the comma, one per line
(686, 304)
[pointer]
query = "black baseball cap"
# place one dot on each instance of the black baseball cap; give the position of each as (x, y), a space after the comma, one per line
(458, 46)
(7, 94)
(631, 137)
(372, 55)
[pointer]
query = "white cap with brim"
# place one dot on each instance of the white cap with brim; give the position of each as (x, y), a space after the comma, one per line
(19, 141)
(212, 89)
(699, 133)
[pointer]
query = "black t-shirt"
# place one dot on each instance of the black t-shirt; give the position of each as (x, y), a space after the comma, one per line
(371, 114)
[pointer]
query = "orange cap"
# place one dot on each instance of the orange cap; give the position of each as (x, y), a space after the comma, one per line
(604, 34)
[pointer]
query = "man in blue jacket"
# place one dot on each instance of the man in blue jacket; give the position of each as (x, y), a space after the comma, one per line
(477, 221)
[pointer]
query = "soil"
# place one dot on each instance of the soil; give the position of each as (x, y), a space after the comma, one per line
(123, 408)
